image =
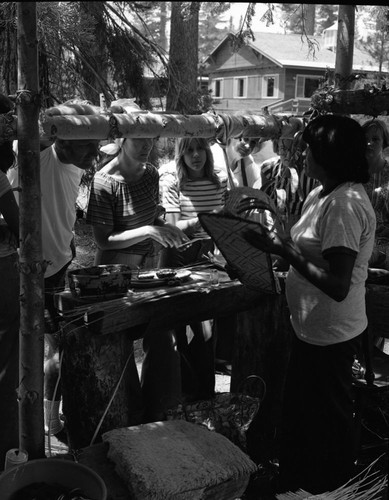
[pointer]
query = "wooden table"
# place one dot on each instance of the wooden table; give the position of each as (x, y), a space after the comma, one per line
(100, 336)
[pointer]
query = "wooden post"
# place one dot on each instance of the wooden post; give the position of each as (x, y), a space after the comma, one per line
(101, 367)
(31, 266)
(345, 45)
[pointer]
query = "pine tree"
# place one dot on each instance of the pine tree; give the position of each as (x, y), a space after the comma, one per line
(182, 94)
(212, 29)
(377, 41)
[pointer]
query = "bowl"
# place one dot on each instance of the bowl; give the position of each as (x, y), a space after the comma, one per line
(104, 280)
(52, 471)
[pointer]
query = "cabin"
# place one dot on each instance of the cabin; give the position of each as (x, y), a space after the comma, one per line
(275, 71)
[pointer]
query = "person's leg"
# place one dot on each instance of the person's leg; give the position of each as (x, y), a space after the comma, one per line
(161, 375)
(316, 446)
(200, 354)
(52, 386)
(9, 355)
(224, 331)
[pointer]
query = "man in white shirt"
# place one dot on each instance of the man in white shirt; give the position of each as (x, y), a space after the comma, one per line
(61, 168)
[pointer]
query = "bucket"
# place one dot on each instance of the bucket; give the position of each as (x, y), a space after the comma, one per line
(52, 471)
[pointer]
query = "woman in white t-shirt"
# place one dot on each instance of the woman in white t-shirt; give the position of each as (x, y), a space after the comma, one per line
(328, 252)
(9, 301)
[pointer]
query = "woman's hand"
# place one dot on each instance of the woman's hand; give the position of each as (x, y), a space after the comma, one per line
(168, 235)
(265, 240)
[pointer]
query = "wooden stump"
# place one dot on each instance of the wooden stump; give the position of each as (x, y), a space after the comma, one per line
(262, 347)
(92, 366)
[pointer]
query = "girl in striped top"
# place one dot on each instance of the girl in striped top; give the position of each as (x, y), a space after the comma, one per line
(194, 187)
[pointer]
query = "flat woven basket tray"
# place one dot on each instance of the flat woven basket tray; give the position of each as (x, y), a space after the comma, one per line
(226, 227)
(253, 267)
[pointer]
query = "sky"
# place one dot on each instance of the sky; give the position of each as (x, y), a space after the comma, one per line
(238, 10)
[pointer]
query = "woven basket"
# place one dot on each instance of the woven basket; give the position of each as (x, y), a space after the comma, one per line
(103, 281)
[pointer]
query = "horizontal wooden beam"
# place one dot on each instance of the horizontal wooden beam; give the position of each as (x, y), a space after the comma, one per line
(371, 102)
(144, 124)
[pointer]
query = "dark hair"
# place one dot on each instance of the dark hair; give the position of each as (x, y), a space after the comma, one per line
(381, 127)
(182, 145)
(338, 145)
(6, 152)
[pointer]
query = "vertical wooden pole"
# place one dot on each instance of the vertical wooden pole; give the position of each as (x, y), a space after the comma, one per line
(345, 45)
(31, 266)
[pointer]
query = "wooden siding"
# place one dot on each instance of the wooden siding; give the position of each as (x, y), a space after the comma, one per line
(246, 58)
(254, 81)
(253, 87)
(228, 88)
(290, 79)
(233, 105)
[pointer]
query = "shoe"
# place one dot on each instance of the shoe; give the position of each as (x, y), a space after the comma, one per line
(223, 367)
(62, 436)
(58, 427)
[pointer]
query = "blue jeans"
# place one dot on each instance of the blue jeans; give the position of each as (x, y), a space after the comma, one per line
(197, 356)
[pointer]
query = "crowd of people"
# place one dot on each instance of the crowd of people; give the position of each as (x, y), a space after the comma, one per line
(337, 208)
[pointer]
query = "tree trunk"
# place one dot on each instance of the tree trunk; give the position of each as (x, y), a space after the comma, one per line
(163, 26)
(309, 10)
(31, 265)
(95, 364)
(345, 46)
(183, 58)
(92, 86)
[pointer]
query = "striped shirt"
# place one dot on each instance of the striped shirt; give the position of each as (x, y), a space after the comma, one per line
(293, 200)
(125, 206)
(200, 195)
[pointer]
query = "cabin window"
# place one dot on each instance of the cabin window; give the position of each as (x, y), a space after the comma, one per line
(306, 85)
(240, 87)
(270, 86)
(218, 87)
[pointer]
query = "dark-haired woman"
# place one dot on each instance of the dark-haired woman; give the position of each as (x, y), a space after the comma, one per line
(9, 301)
(328, 252)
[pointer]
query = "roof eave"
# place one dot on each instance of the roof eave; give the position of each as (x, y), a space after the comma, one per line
(264, 54)
(209, 56)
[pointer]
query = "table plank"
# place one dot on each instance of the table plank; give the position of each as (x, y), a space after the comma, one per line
(165, 306)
